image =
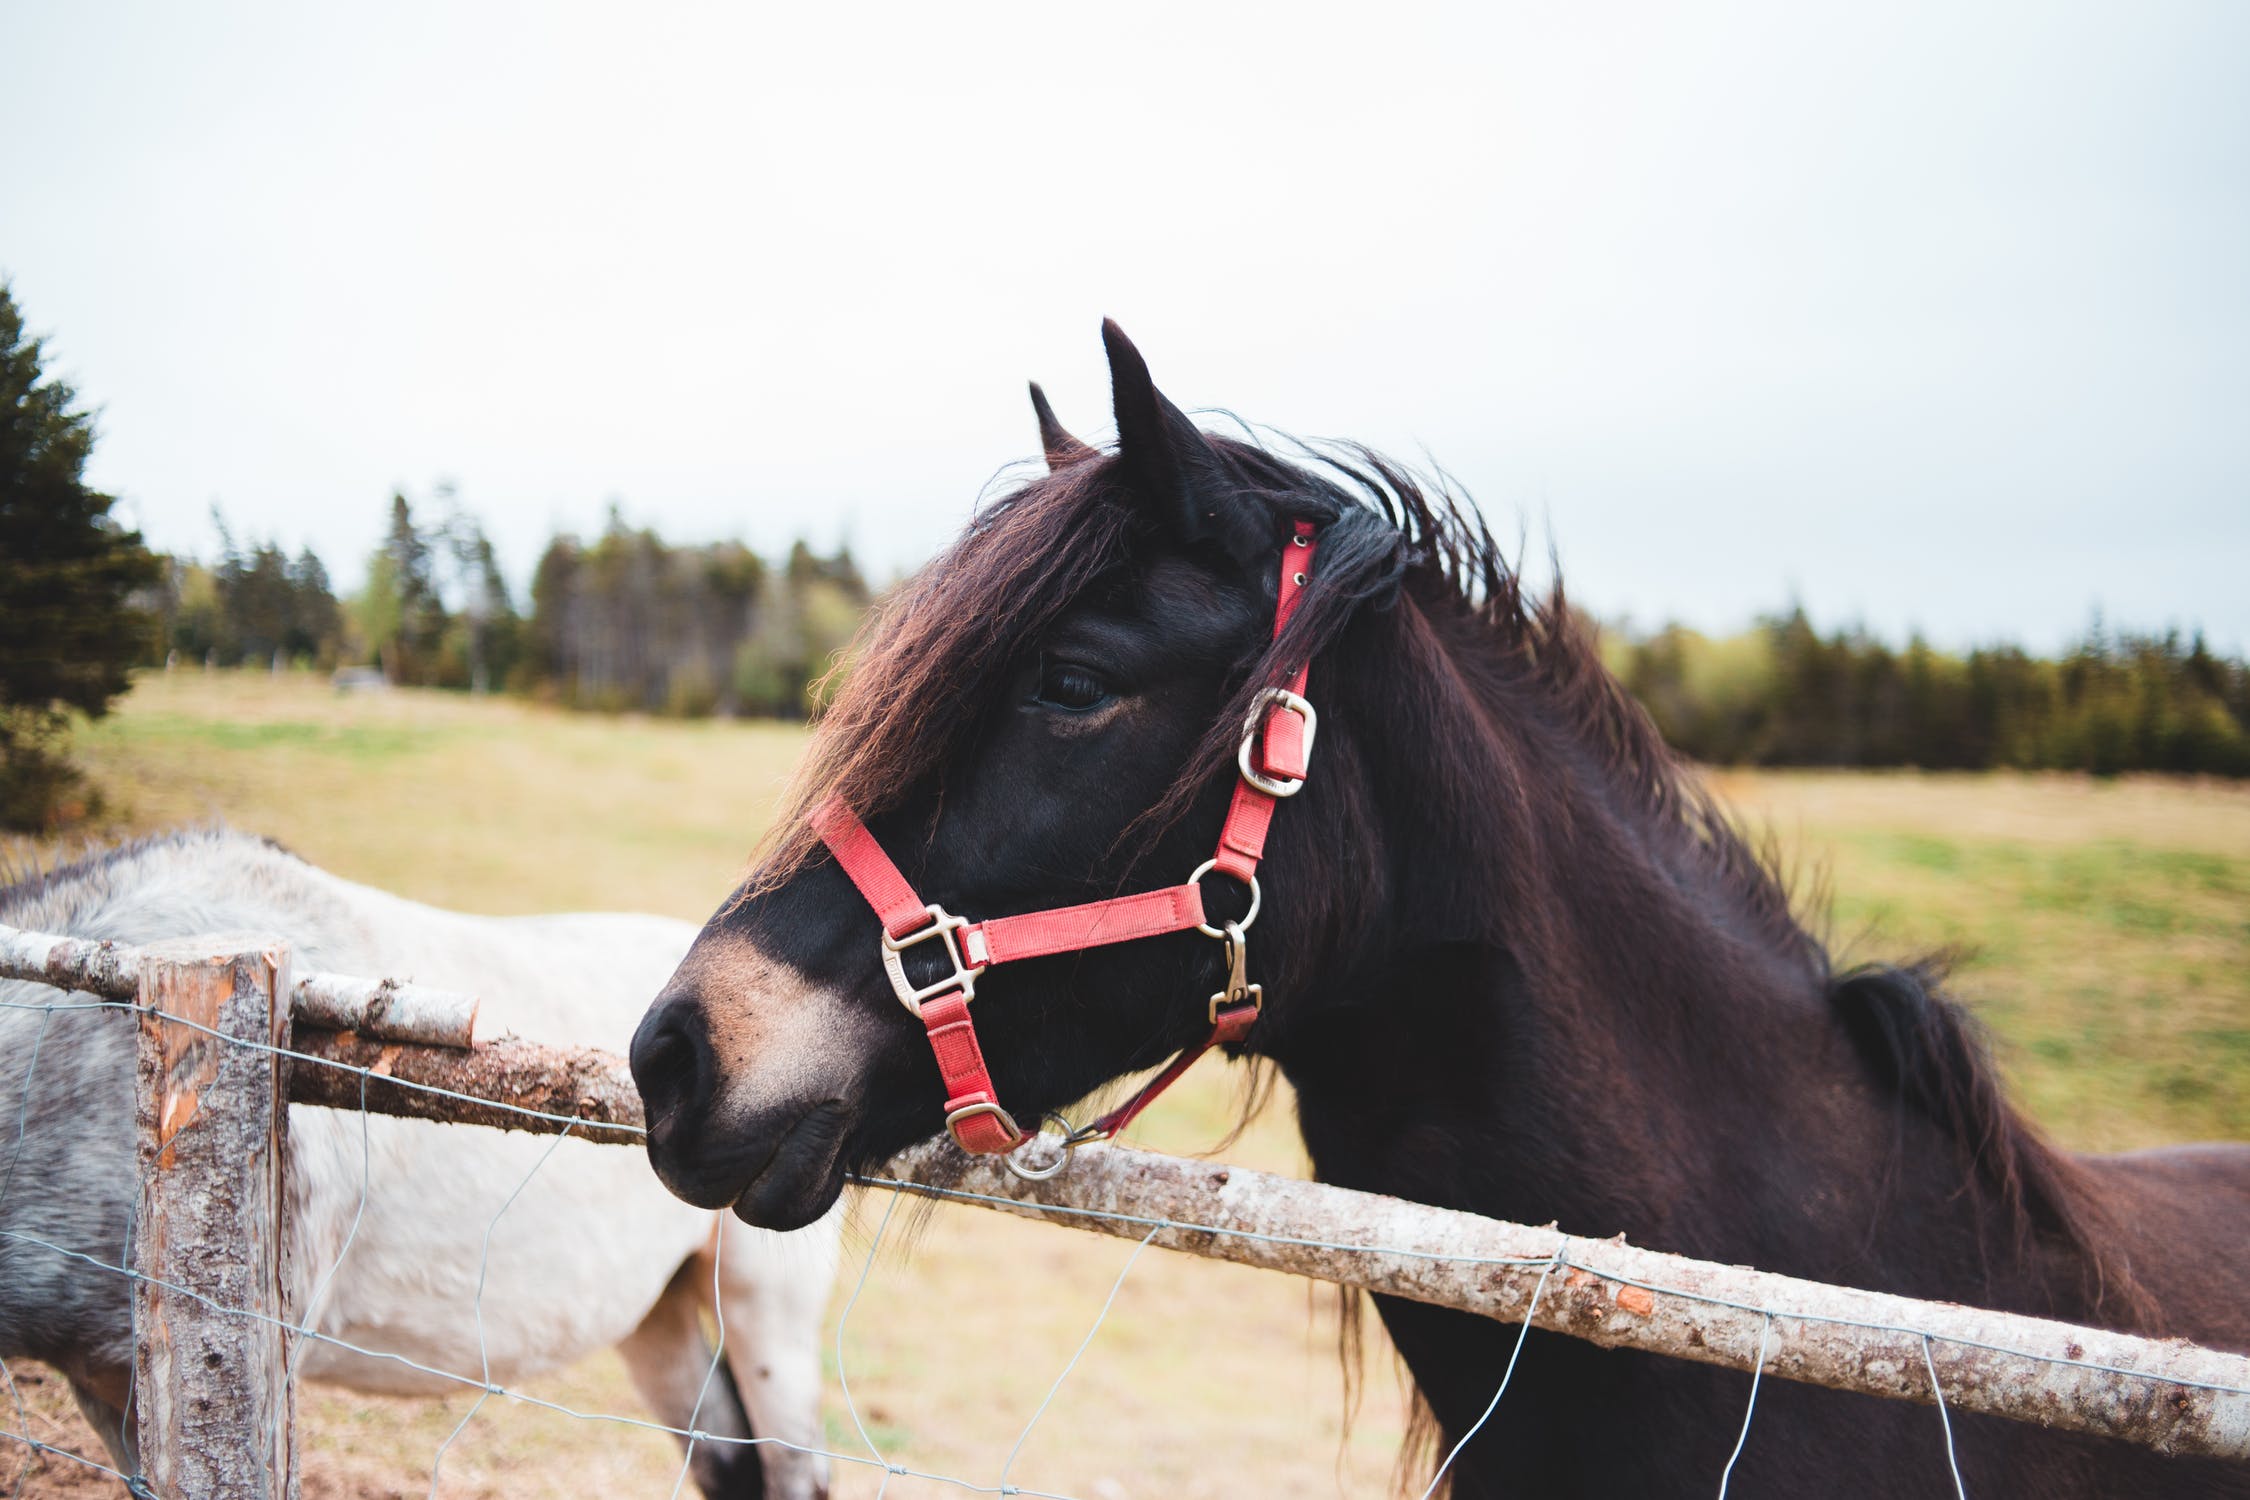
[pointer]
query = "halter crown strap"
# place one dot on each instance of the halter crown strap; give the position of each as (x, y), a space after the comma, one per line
(1276, 744)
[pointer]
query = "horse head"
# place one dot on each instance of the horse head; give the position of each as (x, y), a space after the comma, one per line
(1051, 713)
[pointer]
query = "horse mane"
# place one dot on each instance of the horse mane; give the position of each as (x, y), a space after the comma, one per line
(1933, 1054)
(933, 655)
(52, 894)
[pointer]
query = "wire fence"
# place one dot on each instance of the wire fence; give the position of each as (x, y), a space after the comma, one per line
(302, 1335)
(2172, 1396)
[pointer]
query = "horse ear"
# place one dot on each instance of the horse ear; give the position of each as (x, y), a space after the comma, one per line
(1062, 449)
(1175, 468)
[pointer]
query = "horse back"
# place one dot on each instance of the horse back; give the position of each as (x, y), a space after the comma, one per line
(2181, 1215)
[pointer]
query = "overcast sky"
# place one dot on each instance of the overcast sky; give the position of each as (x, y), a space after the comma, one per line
(1934, 316)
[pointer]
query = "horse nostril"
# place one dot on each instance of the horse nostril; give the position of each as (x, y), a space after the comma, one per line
(671, 1059)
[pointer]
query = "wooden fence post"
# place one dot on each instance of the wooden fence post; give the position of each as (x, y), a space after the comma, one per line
(213, 1405)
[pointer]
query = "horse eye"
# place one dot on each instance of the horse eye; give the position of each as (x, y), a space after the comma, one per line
(1062, 685)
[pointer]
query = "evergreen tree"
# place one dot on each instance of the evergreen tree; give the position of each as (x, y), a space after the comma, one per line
(400, 614)
(70, 623)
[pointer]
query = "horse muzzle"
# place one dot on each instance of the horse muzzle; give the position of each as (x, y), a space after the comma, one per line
(769, 1143)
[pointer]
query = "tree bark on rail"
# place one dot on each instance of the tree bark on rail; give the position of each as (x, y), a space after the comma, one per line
(1612, 1294)
(502, 1080)
(394, 1010)
(390, 1010)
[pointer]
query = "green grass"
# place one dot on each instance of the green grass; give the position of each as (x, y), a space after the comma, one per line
(2107, 972)
(2111, 968)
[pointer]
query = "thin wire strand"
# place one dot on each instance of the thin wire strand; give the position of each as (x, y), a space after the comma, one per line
(132, 1482)
(1952, 1463)
(23, 1420)
(23, 1110)
(484, 1268)
(15, 1157)
(313, 1299)
(437, 1459)
(1757, 1373)
(844, 1318)
(1506, 1375)
(1187, 1226)
(718, 1353)
(1076, 1355)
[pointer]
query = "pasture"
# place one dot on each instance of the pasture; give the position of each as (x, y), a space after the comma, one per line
(2105, 937)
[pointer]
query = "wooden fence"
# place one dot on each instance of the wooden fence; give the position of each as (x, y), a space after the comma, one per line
(228, 1036)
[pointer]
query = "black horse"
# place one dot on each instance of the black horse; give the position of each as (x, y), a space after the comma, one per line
(1516, 962)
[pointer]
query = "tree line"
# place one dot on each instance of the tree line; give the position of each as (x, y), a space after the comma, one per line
(626, 621)
(629, 621)
(1784, 694)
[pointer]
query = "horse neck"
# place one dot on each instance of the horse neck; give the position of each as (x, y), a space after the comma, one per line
(1571, 1006)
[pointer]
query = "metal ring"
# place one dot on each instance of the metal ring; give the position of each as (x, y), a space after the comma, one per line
(1243, 922)
(1065, 1143)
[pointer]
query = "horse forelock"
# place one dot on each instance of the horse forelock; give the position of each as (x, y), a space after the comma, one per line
(932, 654)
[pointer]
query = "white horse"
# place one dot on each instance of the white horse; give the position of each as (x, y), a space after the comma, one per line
(396, 1224)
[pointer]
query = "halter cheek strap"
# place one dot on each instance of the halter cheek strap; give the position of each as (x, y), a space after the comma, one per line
(1277, 740)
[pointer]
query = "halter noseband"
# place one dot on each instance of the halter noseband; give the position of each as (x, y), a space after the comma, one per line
(1277, 738)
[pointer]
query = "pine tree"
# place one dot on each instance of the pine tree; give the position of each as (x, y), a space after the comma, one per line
(70, 626)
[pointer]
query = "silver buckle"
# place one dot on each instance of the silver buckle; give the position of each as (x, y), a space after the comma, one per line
(1274, 697)
(970, 1112)
(943, 926)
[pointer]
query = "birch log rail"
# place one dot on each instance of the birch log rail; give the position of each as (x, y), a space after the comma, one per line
(391, 1010)
(509, 1084)
(2168, 1395)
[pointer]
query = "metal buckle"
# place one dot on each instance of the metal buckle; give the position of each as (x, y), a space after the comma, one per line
(1239, 990)
(1243, 922)
(1274, 697)
(970, 1112)
(943, 926)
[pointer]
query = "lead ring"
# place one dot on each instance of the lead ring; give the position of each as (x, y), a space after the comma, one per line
(1245, 919)
(1065, 1144)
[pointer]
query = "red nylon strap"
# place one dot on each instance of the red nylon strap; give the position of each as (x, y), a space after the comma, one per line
(1234, 1022)
(1066, 929)
(968, 1083)
(972, 1108)
(1281, 741)
(953, 1036)
(896, 905)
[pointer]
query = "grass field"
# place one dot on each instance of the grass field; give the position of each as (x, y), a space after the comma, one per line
(2105, 938)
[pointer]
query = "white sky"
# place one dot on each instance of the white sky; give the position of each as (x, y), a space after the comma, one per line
(1937, 315)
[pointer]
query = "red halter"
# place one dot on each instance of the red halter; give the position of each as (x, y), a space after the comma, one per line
(1275, 744)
